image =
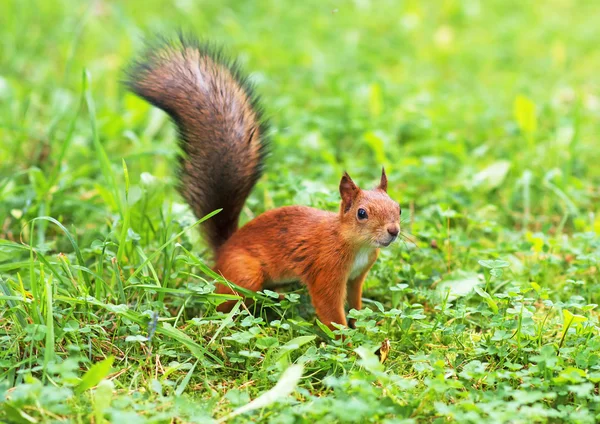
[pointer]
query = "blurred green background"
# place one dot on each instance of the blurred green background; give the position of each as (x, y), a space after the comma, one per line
(426, 88)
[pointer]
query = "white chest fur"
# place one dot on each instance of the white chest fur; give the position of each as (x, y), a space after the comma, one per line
(360, 263)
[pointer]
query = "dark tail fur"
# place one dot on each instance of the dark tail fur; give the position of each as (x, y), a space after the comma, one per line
(220, 123)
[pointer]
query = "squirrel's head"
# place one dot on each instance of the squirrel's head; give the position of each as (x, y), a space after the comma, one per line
(369, 217)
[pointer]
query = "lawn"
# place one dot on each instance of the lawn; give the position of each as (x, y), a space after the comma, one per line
(486, 116)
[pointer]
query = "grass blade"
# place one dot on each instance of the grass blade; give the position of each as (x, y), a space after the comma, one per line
(186, 380)
(171, 240)
(284, 387)
(105, 165)
(95, 374)
(49, 348)
(73, 243)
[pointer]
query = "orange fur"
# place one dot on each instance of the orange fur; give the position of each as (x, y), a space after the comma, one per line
(314, 247)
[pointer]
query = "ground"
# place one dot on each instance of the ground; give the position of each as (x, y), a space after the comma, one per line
(486, 116)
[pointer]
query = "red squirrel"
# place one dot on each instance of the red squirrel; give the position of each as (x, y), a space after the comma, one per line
(222, 132)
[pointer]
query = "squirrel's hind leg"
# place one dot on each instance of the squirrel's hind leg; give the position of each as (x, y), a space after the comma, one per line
(243, 270)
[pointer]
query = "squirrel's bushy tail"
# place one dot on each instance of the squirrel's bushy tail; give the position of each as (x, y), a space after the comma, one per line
(220, 123)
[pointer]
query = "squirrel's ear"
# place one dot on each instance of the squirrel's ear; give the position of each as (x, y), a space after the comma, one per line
(348, 191)
(383, 182)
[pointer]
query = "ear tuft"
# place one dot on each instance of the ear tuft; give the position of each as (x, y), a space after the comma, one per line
(383, 183)
(348, 191)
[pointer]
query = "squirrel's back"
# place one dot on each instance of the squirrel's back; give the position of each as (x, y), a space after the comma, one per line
(220, 123)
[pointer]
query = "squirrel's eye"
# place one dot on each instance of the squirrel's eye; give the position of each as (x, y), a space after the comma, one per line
(362, 214)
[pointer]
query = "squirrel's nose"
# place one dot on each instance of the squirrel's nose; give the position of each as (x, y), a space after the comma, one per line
(393, 230)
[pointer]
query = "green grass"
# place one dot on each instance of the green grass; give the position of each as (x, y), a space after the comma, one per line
(486, 116)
